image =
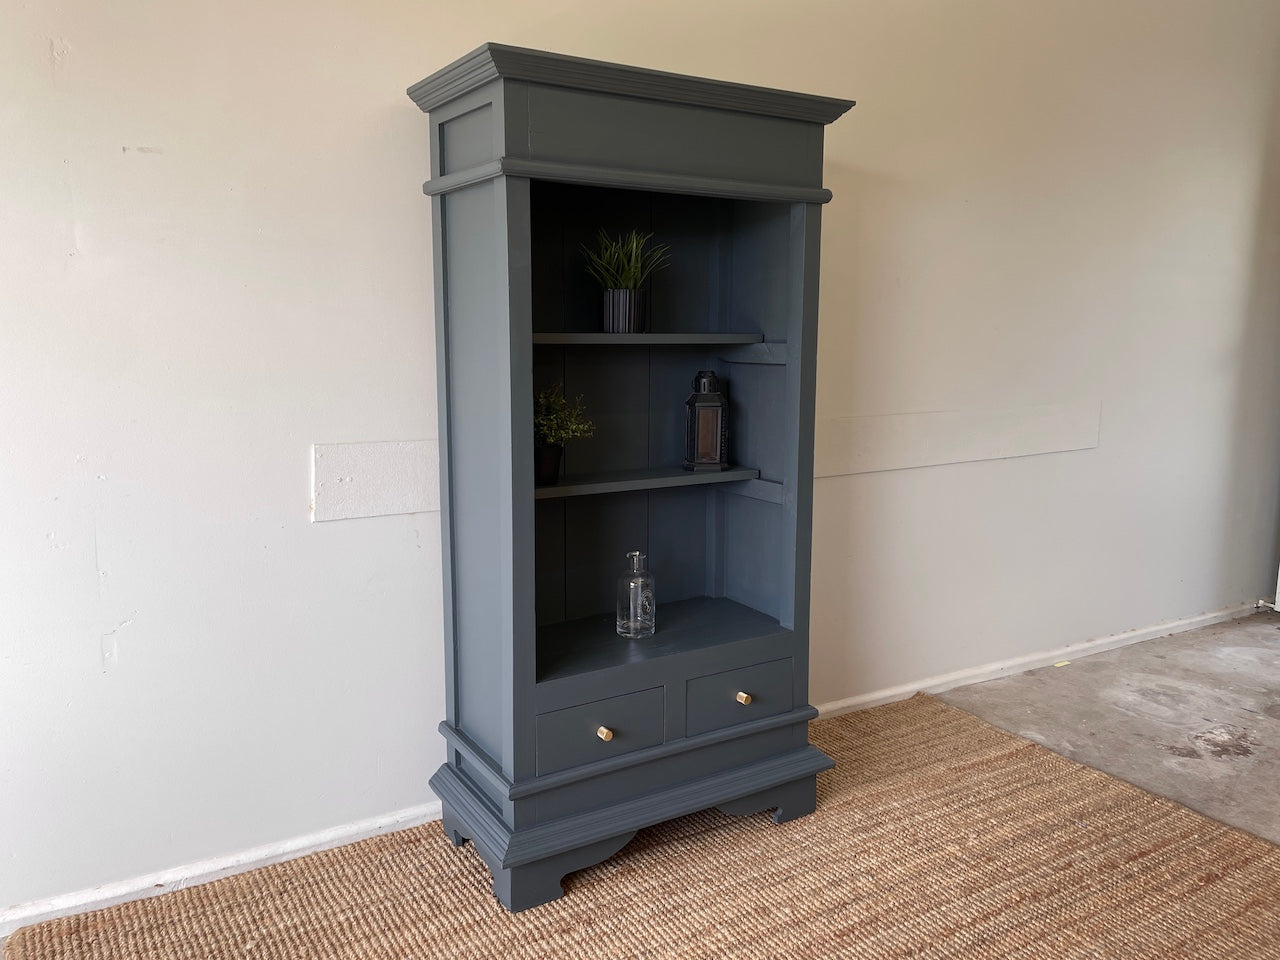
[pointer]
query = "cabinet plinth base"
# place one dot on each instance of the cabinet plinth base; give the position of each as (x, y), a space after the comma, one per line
(790, 801)
(452, 826)
(528, 863)
(533, 884)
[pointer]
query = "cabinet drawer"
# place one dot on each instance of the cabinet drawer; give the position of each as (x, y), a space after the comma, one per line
(713, 702)
(569, 737)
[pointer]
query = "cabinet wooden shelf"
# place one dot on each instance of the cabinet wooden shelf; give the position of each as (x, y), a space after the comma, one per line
(591, 643)
(562, 738)
(622, 481)
(647, 339)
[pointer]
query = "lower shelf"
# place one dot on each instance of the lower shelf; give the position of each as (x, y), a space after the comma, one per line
(592, 643)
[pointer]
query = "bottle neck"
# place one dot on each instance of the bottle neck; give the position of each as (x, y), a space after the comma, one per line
(637, 562)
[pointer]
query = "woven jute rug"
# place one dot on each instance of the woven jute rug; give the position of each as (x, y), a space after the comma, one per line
(935, 836)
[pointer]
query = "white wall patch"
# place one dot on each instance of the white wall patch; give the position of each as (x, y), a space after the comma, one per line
(350, 480)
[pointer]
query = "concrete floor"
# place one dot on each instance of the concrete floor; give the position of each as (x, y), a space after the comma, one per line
(1194, 717)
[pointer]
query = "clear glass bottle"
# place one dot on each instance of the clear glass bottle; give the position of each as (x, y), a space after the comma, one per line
(636, 603)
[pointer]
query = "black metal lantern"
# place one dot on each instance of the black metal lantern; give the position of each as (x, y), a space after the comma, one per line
(706, 431)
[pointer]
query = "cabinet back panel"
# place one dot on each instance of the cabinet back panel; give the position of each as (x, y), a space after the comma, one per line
(688, 296)
(565, 296)
(582, 542)
(678, 543)
(549, 560)
(760, 284)
(548, 367)
(614, 385)
(635, 396)
(598, 533)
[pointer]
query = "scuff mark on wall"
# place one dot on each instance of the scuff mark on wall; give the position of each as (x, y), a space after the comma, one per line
(97, 564)
(58, 51)
(109, 647)
(142, 149)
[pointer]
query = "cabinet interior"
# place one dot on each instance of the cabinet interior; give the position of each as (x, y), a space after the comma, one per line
(730, 273)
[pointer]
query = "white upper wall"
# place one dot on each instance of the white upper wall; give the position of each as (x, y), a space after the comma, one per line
(1051, 203)
(216, 254)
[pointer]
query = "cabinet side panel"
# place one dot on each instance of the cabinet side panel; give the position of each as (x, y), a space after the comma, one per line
(446, 493)
(802, 337)
(478, 340)
(760, 421)
(756, 552)
(467, 140)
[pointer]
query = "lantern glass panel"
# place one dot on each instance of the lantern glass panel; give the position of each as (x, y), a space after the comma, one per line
(708, 450)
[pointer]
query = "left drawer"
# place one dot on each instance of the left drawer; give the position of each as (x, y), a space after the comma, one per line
(599, 730)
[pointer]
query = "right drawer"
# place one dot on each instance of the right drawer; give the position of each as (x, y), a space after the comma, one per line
(735, 696)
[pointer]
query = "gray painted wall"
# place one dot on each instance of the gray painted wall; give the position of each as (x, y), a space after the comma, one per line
(218, 257)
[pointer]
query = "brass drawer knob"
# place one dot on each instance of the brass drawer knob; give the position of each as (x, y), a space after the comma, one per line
(604, 733)
(743, 698)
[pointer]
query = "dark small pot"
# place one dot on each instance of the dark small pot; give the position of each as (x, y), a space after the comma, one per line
(546, 465)
(624, 312)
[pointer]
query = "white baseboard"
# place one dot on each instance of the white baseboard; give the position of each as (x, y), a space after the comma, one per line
(191, 874)
(1000, 668)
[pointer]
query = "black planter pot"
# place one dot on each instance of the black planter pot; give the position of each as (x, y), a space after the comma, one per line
(546, 465)
(624, 311)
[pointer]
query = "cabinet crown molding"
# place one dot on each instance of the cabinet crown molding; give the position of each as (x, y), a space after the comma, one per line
(494, 61)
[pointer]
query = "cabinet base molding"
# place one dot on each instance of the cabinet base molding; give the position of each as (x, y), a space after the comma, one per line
(528, 864)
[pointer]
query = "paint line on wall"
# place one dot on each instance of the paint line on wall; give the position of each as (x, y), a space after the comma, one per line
(900, 441)
(353, 480)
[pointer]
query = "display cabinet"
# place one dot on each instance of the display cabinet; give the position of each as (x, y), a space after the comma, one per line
(564, 739)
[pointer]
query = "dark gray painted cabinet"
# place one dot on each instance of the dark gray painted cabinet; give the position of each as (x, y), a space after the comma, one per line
(532, 153)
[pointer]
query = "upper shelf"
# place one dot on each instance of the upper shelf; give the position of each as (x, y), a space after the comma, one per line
(651, 339)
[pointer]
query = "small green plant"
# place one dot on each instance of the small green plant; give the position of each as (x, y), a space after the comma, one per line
(556, 420)
(625, 262)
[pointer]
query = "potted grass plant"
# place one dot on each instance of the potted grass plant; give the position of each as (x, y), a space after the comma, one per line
(556, 421)
(623, 265)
